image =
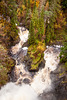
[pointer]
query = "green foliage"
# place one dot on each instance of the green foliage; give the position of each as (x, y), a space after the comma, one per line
(3, 75)
(34, 7)
(5, 59)
(36, 54)
(12, 7)
(64, 53)
(41, 28)
(48, 13)
(51, 16)
(64, 4)
(29, 4)
(6, 63)
(55, 22)
(31, 36)
(25, 2)
(37, 27)
(2, 8)
(36, 38)
(9, 19)
(50, 31)
(65, 65)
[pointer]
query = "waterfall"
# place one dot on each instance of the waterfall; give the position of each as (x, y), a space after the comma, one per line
(17, 92)
(23, 35)
(41, 82)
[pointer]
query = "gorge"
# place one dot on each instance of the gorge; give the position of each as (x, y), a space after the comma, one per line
(26, 86)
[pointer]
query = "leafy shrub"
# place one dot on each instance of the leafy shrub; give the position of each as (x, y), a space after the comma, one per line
(3, 75)
(6, 63)
(63, 55)
(36, 54)
(64, 4)
(8, 19)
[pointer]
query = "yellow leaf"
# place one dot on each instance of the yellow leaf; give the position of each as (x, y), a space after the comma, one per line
(23, 6)
(37, 3)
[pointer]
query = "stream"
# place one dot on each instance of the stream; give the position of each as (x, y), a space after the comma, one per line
(23, 84)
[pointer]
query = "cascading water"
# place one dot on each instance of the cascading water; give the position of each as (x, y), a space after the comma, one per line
(23, 35)
(41, 82)
(16, 92)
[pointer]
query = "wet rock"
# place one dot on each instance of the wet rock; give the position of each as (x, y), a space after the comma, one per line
(25, 44)
(20, 74)
(42, 64)
(48, 96)
(15, 49)
(26, 81)
(19, 56)
(14, 75)
(59, 79)
(61, 91)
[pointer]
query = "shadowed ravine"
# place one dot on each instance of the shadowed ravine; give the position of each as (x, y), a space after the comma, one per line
(24, 86)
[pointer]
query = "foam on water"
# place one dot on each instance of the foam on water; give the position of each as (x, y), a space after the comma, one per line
(51, 56)
(23, 35)
(25, 48)
(17, 92)
(42, 82)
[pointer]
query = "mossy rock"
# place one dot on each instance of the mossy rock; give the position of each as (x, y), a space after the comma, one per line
(36, 54)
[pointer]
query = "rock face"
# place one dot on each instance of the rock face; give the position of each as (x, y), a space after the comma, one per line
(48, 96)
(60, 83)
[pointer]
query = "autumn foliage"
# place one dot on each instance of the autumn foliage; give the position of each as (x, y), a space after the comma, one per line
(45, 19)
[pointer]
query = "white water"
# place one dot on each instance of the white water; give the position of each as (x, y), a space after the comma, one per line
(16, 92)
(41, 81)
(23, 35)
